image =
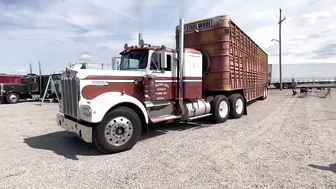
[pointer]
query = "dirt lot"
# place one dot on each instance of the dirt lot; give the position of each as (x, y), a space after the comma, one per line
(284, 142)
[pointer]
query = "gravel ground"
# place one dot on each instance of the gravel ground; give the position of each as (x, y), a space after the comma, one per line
(284, 142)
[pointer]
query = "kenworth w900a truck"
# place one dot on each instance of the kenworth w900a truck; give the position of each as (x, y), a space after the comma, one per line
(215, 71)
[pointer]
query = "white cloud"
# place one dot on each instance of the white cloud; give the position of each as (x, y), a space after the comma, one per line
(86, 56)
(44, 32)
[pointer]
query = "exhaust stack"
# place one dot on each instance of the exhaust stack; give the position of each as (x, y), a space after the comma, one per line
(140, 39)
(181, 63)
(30, 68)
(115, 65)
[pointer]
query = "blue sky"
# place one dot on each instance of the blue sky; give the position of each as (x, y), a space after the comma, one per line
(58, 32)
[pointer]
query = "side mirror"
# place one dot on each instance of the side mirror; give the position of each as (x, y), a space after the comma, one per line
(125, 46)
(163, 48)
(163, 63)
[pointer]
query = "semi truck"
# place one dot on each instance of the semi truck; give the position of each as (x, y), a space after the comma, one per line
(318, 73)
(32, 86)
(215, 71)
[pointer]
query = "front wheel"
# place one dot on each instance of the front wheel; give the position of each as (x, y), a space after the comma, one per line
(12, 98)
(119, 131)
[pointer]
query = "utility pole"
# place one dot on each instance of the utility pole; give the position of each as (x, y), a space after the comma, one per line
(40, 77)
(280, 63)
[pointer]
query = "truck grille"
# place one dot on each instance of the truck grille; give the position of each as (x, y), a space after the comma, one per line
(70, 94)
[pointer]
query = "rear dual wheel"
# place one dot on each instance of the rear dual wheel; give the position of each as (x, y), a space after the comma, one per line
(237, 105)
(222, 108)
(265, 94)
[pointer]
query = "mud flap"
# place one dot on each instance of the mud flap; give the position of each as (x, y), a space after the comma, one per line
(245, 108)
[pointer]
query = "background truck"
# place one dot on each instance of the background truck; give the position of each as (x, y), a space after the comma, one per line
(115, 61)
(319, 73)
(215, 71)
(31, 87)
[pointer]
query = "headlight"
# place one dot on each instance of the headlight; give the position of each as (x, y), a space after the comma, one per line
(60, 105)
(87, 111)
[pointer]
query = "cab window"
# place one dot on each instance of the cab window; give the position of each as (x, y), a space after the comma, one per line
(155, 63)
(169, 62)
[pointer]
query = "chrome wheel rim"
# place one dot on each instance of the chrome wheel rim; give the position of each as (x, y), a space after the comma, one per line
(13, 98)
(239, 106)
(223, 109)
(118, 131)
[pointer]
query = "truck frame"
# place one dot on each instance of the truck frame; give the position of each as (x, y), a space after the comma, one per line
(215, 71)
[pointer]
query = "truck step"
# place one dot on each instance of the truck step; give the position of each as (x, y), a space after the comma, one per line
(164, 118)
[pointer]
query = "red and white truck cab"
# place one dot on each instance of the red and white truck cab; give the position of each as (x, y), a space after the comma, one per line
(112, 107)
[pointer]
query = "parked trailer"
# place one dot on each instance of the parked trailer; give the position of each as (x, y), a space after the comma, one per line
(9, 78)
(319, 73)
(220, 69)
(232, 61)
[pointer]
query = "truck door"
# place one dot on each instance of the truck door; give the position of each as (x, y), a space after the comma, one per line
(161, 84)
(33, 85)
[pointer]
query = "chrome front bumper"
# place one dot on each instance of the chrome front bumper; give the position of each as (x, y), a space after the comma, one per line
(82, 131)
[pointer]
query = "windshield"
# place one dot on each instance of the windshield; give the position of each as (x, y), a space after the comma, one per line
(56, 77)
(134, 60)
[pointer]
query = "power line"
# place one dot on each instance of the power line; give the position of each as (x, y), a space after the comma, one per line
(78, 37)
(55, 38)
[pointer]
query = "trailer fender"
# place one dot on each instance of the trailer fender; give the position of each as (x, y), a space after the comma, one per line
(103, 103)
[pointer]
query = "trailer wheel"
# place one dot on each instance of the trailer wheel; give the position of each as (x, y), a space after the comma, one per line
(237, 105)
(118, 131)
(265, 94)
(220, 108)
(12, 98)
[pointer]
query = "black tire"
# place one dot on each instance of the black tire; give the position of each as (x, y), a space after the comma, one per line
(265, 94)
(12, 98)
(236, 112)
(216, 109)
(104, 143)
